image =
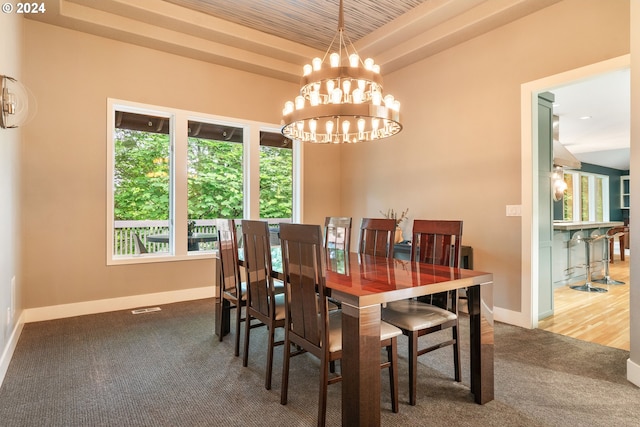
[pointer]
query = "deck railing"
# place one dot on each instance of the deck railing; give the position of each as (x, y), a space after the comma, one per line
(124, 231)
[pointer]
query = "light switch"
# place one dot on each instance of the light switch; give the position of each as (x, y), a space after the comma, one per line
(514, 210)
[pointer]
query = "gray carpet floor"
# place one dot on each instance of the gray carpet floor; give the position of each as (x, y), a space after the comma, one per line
(166, 368)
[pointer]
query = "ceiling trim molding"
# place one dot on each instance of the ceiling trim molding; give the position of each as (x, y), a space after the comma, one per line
(425, 30)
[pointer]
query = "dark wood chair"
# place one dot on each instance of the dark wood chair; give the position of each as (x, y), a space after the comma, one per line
(232, 290)
(621, 233)
(309, 325)
(140, 248)
(377, 236)
(440, 243)
(337, 233)
(263, 302)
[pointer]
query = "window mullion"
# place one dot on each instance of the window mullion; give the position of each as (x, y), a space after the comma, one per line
(179, 184)
(252, 173)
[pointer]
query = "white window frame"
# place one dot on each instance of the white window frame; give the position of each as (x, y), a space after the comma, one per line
(577, 195)
(178, 199)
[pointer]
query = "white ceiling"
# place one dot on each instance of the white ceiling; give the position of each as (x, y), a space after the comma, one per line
(277, 37)
(595, 119)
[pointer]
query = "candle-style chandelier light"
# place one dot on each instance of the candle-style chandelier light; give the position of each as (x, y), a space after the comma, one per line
(341, 101)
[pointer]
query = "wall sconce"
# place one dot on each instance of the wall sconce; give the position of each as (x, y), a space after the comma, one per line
(14, 103)
(558, 186)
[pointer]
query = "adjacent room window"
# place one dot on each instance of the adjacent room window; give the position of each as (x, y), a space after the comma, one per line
(586, 197)
(173, 172)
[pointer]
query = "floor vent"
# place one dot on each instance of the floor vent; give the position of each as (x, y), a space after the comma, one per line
(145, 310)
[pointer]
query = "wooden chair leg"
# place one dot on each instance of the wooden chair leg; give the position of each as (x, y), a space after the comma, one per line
(238, 321)
(322, 395)
(220, 315)
(285, 370)
(267, 380)
(247, 327)
(413, 367)
(456, 355)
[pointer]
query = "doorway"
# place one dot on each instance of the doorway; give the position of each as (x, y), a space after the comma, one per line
(530, 183)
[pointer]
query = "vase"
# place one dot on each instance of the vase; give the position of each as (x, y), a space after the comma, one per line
(398, 237)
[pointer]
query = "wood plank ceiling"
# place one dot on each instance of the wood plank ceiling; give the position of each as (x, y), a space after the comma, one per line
(312, 23)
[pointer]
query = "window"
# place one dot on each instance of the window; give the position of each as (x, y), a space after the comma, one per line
(586, 197)
(171, 173)
(276, 176)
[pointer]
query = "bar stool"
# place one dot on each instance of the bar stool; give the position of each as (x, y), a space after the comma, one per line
(586, 287)
(610, 236)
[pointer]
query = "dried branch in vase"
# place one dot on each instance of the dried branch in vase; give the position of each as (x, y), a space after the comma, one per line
(391, 214)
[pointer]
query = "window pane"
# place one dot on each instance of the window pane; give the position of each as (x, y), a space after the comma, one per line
(599, 199)
(215, 178)
(141, 183)
(567, 201)
(584, 198)
(276, 176)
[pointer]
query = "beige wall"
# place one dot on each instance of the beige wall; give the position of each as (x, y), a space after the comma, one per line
(64, 156)
(10, 140)
(458, 156)
(322, 183)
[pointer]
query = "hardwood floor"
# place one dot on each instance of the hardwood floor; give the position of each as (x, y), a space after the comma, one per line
(601, 318)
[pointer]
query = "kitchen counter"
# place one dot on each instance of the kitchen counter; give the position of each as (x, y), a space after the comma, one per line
(569, 250)
(584, 225)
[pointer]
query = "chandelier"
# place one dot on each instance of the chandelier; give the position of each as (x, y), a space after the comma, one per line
(341, 101)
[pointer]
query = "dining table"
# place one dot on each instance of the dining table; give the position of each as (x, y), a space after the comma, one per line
(362, 284)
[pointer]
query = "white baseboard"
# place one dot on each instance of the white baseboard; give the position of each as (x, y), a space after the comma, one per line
(515, 318)
(633, 372)
(113, 304)
(7, 354)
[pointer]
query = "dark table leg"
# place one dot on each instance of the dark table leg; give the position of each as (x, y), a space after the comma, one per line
(360, 365)
(482, 342)
(224, 306)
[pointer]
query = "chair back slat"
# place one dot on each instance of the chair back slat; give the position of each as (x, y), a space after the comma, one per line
(304, 266)
(437, 242)
(377, 236)
(337, 233)
(228, 256)
(257, 261)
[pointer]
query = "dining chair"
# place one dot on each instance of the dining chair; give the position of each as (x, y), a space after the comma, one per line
(377, 236)
(140, 248)
(434, 242)
(232, 290)
(263, 302)
(337, 233)
(310, 326)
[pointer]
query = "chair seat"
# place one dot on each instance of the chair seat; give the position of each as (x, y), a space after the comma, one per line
(280, 306)
(412, 315)
(243, 287)
(387, 331)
